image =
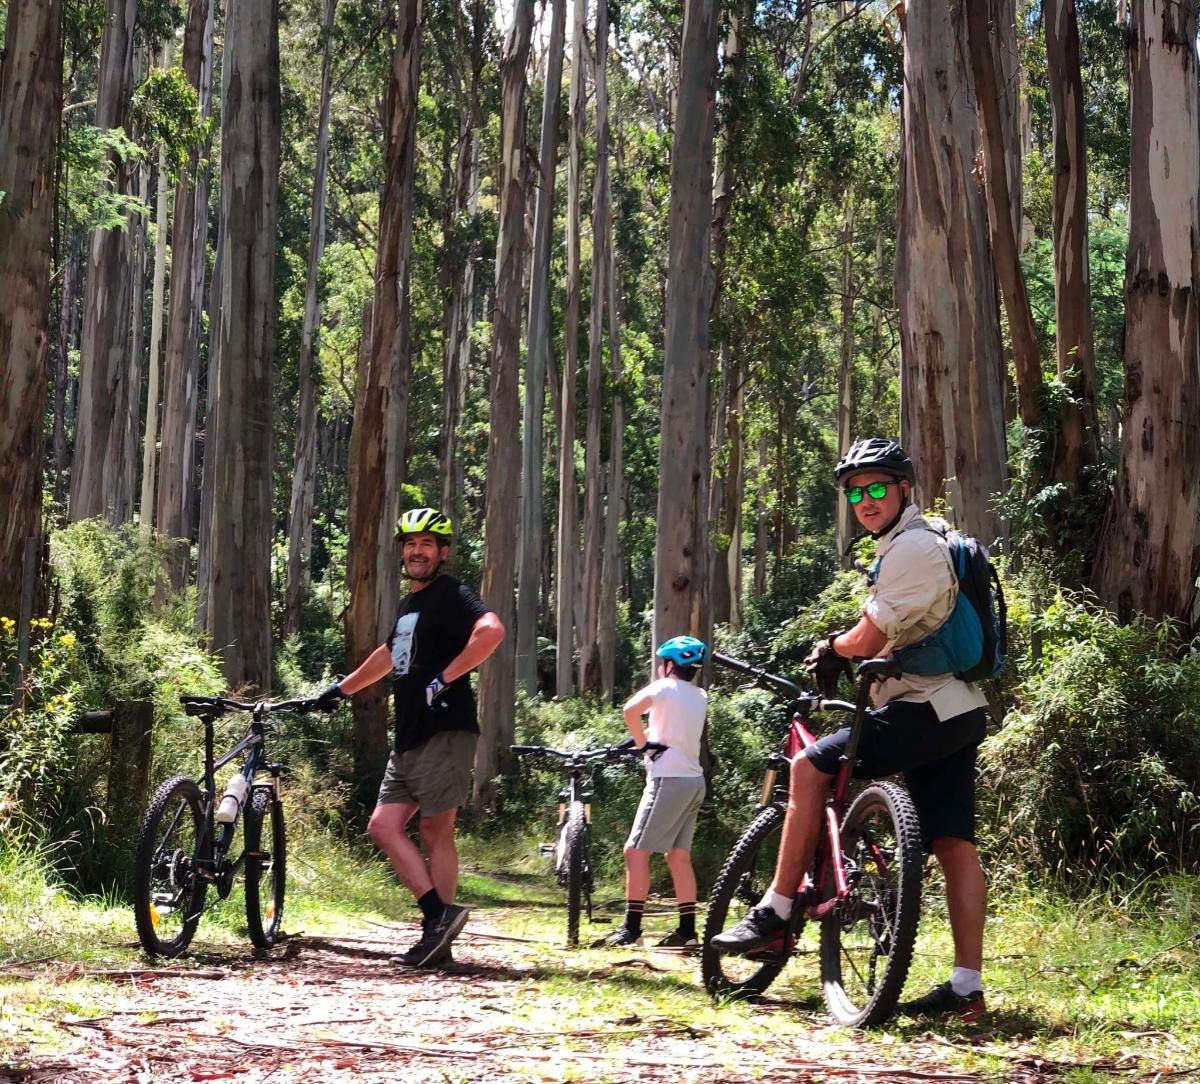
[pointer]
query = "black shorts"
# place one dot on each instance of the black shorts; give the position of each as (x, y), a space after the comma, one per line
(935, 756)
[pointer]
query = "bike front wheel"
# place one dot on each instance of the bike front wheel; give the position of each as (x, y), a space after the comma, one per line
(168, 890)
(867, 939)
(266, 866)
(745, 877)
(577, 869)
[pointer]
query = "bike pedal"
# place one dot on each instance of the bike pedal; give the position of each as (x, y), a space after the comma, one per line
(546, 849)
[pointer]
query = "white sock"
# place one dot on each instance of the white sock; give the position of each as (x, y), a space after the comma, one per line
(964, 981)
(781, 905)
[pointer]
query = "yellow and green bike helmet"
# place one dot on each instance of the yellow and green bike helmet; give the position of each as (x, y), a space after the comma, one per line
(424, 521)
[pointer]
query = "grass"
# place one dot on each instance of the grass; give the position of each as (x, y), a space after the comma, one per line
(1079, 983)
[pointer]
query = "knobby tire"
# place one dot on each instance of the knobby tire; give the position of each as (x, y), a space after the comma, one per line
(867, 941)
(168, 895)
(266, 867)
(745, 876)
(576, 869)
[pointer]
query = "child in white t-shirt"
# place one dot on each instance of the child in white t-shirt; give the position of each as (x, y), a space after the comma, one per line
(666, 816)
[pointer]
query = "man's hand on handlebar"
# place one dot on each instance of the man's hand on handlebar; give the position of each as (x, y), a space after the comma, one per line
(827, 666)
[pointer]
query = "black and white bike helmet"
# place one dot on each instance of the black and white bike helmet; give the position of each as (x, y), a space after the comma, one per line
(875, 453)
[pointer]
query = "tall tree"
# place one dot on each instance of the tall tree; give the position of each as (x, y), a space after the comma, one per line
(496, 678)
(1150, 548)
(681, 563)
(239, 584)
(31, 94)
(99, 486)
(376, 448)
(181, 364)
(1004, 222)
(537, 358)
(593, 475)
(952, 420)
(567, 558)
(1077, 439)
(304, 462)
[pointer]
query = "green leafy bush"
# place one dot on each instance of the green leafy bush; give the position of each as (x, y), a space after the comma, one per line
(1097, 768)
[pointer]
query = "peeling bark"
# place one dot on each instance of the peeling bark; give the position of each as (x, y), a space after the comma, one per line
(496, 676)
(31, 90)
(1150, 547)
(239, 582)
(682, 554)
(952, 421)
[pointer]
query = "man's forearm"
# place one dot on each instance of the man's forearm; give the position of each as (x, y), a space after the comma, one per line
(485, 638)
(864, 641)
(377, 665)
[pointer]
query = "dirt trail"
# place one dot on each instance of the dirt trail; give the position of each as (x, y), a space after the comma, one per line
(333, 1009)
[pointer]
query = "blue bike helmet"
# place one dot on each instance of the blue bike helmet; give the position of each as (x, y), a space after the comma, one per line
(683, 650)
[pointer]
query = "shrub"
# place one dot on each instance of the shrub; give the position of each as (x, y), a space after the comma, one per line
(1097, 769)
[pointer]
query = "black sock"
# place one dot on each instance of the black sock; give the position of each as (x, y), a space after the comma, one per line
(687, 919)
(633, 916)
(431, 905)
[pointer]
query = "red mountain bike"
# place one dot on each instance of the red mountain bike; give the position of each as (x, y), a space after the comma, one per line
(864, 886)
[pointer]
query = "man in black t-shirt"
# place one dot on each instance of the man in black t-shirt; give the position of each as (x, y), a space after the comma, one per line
(442, 632)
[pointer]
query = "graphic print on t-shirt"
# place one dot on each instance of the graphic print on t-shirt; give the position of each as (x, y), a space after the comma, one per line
(404, 644)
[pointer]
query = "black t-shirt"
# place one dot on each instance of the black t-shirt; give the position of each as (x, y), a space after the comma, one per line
(432, 627)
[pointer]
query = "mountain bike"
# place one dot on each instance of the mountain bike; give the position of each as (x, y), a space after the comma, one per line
(572, 850)
(864, 885)
(186, 839)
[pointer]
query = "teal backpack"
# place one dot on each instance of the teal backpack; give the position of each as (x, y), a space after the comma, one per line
(972, 643)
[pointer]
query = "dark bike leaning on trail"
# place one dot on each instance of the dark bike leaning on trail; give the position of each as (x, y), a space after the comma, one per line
(572, 850)
(186, 838)
(864, 885)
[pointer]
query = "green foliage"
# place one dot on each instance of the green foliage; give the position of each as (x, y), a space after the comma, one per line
(1097, 768)
(166, 109)
(91, 160)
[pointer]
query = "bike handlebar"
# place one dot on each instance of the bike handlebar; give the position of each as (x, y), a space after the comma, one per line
(220, 705)
(584, 756)
(780, 684)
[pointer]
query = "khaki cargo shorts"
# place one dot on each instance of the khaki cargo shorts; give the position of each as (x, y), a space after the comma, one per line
(436, 775)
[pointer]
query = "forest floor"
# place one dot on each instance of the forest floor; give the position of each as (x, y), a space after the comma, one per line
(515, 1006)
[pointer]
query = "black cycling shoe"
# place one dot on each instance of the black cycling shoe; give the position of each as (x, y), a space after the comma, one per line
(943, 1001)
(677, 939)
(436, 939)
(760, 928)
(621, 937)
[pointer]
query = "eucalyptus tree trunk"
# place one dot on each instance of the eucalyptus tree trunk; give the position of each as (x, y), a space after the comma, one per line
(567, 562)
(952, 421)
(158, 293)
(735, 487)
(68, 298)
(593, 475)
(181, 365)
(208, 466)
(1006, 60)
(761, 521)
(138, 239)
(496, 676)
(537, 355)
(999, 132)
(98, 480)
(239, 582)
(1149, 556)
(304, 462)
(376, 447)
(31, 93)
(682, 558)
(1077, 439)
(844, 525)
(610, 569)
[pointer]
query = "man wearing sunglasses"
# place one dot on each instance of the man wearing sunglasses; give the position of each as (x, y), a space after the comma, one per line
(928, 728)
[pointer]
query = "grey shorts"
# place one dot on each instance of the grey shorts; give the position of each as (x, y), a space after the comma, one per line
(436, 775)
(666, 815)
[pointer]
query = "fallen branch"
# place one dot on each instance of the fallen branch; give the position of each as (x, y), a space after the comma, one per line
(35, 960)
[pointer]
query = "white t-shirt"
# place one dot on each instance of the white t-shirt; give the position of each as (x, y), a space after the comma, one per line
(676, 720)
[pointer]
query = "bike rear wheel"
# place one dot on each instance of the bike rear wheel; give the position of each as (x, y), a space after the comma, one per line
(577, 869)
(867, 940)
(168, 892)
(266, 866)
(745, 877)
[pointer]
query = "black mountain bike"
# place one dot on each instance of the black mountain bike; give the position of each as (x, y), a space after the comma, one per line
(864, 885)
(572, 850)
(186, 839)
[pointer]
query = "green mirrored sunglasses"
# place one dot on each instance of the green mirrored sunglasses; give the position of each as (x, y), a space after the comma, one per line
(875, 490)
